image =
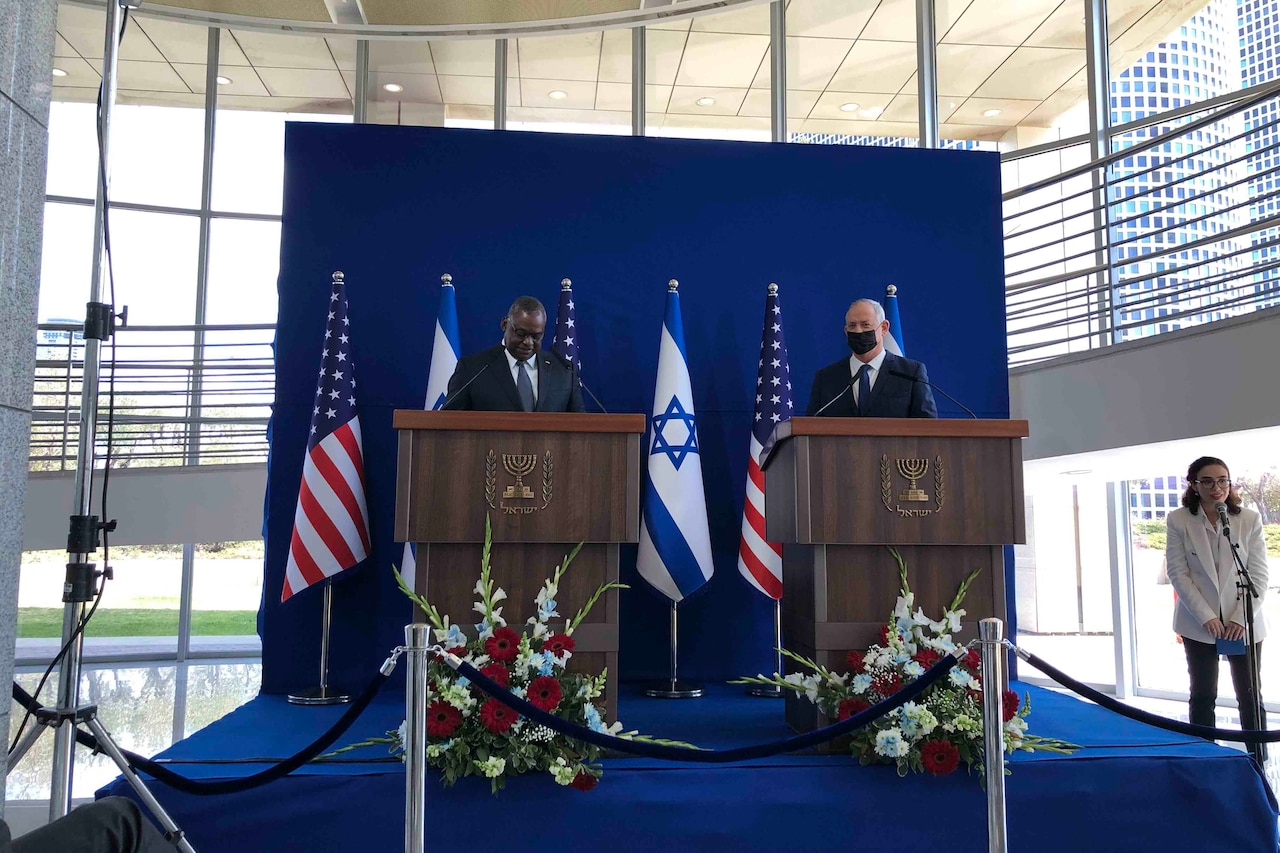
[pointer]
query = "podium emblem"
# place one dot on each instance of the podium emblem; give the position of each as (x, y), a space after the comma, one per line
(517, 497)
(913, 470)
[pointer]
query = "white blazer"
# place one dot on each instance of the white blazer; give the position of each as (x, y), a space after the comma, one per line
(1203, 592)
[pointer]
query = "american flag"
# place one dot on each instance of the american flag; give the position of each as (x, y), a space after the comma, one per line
(331, 524)
(760, 561)
(565, 343)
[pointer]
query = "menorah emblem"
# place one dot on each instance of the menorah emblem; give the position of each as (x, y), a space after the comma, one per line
(519, 466)
(913, 469)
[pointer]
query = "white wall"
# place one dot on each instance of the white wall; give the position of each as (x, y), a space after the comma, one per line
(1207, 380)
(155, 506)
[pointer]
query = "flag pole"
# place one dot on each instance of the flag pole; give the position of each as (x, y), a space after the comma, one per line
(772, 691)
(324, 694)
(674, 688)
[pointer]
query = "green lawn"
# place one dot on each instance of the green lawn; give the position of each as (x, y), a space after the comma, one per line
(123, 622)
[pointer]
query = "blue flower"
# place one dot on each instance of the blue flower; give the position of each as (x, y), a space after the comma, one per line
(455, 637)
(547, 609)
(593, 718)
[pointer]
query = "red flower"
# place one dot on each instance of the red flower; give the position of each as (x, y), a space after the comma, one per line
(939, 756)
(497, 672)
(884, 634)
(887, 684)
(849, 707)
(497, 717)
(544, 693)
(583, 781)
(855, 661)
(1011, 704)
(558, 644)
(973, 660)
(927, 657)
(503, 646)
(442, 719)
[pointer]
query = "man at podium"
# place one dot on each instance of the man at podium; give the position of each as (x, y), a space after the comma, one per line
(872, 383)
(516, 375)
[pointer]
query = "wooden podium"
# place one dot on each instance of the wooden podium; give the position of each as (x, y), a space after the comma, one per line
(947, 494)
(547, 482)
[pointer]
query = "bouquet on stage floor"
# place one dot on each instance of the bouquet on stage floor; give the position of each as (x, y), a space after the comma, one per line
(939, 730)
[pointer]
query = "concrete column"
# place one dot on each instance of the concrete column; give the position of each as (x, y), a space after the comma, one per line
(26, 58)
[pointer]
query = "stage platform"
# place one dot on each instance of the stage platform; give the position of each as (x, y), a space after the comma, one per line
(1132, 788)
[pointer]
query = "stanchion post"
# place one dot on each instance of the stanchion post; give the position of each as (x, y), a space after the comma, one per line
(991, 643)
(416, 639)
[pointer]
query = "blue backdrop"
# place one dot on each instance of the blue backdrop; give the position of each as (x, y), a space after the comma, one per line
(512, 213)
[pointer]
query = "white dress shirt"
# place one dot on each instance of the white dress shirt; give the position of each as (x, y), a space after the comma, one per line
(531, 365)
(873, 370)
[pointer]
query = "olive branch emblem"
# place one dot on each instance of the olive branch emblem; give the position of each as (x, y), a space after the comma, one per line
(546, 479)
(491, 479)
(939, 495)
(886, 485)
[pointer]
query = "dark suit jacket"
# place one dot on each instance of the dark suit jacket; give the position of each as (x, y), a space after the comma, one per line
(891, 396)
(494, 390)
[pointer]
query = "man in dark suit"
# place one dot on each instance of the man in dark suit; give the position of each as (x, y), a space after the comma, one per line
(516, 376)
(872, 383)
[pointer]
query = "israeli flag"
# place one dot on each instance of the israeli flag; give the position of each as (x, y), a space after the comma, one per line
(893, 341)
(444, 360)
(675, 544)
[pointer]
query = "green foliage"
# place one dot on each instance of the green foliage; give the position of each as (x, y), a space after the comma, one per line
(44, 622)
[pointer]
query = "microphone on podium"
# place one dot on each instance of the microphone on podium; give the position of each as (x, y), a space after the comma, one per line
(465, 385)
(902, 375)
(829, 403)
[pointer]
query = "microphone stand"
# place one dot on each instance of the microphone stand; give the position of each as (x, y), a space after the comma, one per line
(1245, 588)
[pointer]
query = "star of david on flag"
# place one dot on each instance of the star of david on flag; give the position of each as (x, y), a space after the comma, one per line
(759, 560)
(445, 351)
(675, 543)
(331, 523)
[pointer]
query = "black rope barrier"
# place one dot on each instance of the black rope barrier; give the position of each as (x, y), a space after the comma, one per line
(703, 756)
(1113, 704)
(228, 786)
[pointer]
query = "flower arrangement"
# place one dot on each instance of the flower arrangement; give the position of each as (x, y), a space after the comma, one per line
(943, 727)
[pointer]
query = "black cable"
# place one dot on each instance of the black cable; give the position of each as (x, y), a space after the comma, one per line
(1113, 704)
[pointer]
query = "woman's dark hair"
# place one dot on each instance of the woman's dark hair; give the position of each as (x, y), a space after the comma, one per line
(1191, 498)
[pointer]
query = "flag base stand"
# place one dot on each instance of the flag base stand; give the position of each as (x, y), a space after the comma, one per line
(674, 688)
(325, 694)
(765, 691)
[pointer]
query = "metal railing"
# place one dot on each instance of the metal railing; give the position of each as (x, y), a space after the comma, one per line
(1189, 231)
(176, 403)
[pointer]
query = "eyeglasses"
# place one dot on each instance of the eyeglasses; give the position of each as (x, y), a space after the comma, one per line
(1210, 482)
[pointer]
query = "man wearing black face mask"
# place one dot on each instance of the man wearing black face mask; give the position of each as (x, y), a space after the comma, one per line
(873, 383)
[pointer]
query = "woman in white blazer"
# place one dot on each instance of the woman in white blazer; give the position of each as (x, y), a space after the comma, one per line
(1203, 572)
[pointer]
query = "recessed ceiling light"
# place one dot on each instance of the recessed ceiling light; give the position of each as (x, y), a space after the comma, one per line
(991, 113)
(705, 102)
(58, 72)
(951, 106)
(871, 112)
(223, 81)
(848, 108)
(393, 87)
(557, 94)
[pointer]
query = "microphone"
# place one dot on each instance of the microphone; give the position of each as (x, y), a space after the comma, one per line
(901, 375)
(828, 404)
(464, 387)
(1223, 518)
(569, 364)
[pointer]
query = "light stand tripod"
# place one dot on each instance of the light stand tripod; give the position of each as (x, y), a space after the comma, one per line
(1245, 588)
(82, 540)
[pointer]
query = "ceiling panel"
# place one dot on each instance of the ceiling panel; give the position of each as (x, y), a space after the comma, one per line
(178, 42)
(663, 51)
(906, 108)
(1000, 21)
(579, 94)
(870, 106)
(150, 76)
(418, 88)
(344, 52)
(570, 57)
(85, 30)
(875, 66)
(753, 20)
(895, 20)
(243, 80)
(721, 59)
(829, 18)
(304, 82)
(1064, 28)
(470, 58)
(1011, 111)
(1070, 96)
(962, 68)
(61, 47)
(799, 103)
(282, 51)
(617, 96)
(79, 73)
(1033, 73)
(409, 57)
(684, 99)
(811, 63)
(467, 90)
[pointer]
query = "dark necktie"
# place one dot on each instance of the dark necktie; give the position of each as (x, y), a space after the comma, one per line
(524, 387)
(864, 389)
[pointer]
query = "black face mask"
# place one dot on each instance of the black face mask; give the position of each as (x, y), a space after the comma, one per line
(862, 342)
